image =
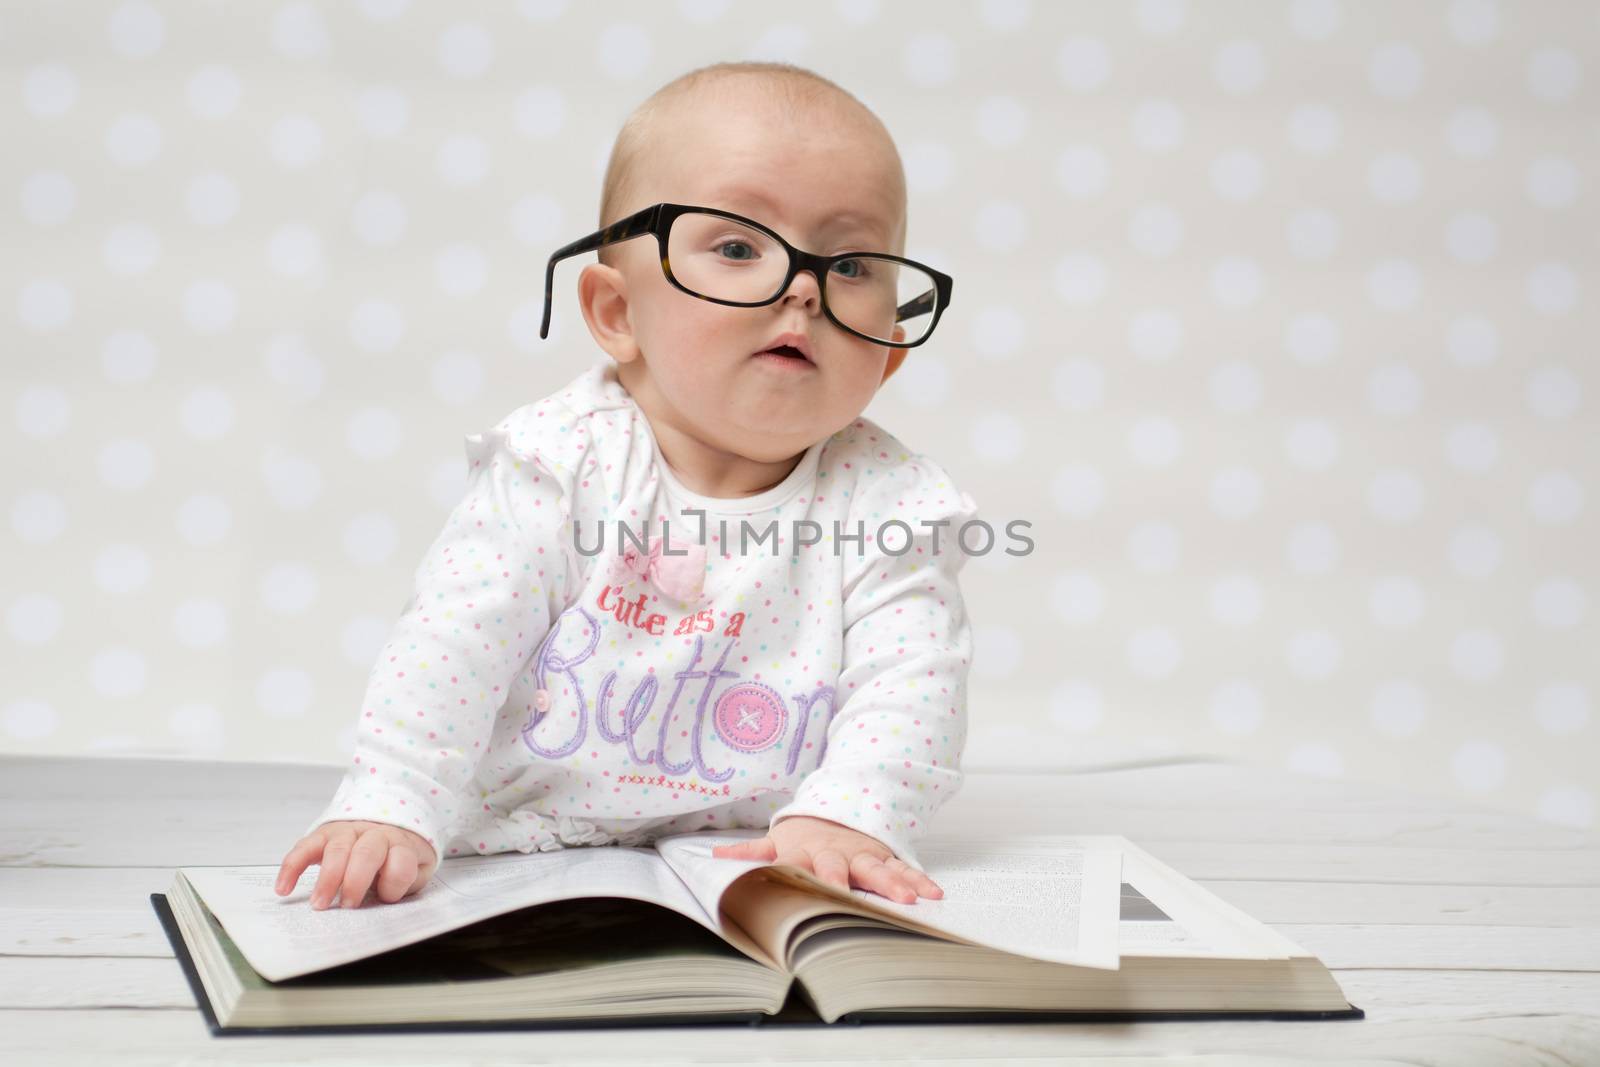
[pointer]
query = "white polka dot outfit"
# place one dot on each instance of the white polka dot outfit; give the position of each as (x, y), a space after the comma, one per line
(540, 690)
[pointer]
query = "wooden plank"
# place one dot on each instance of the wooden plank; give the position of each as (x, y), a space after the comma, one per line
(1436, 905)
(1487, 948)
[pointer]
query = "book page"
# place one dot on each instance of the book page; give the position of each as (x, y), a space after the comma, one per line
(1181, 918)
(282, 937)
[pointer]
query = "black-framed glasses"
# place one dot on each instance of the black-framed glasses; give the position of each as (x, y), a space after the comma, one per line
(729, 259)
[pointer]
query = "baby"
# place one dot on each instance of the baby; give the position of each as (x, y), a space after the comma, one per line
(775, 637)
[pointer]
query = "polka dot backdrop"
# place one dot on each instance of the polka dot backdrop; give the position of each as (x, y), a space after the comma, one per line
(1270, 318)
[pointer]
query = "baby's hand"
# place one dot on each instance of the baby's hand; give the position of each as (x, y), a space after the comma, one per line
(351, 854)
(836, 854)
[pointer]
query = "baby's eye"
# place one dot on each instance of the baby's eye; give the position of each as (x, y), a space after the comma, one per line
(850, 268)
(724, 246)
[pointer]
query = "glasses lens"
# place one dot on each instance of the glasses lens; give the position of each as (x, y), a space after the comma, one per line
(874, 295)
(725, 260)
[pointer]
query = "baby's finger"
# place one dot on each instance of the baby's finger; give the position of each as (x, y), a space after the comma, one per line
(831, 867)
(918, 880)
(760, 848)
(398, 873)
(870, 872)
(335, 853)
(305, 852)
(798, 858)
(366, 858)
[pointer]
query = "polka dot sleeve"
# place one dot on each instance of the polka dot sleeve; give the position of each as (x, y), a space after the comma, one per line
(894, 747)
(484, 596)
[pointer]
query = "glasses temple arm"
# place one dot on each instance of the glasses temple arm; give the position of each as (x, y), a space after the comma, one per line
(640, 222)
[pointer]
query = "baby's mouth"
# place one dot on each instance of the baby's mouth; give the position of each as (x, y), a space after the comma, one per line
(788, 351)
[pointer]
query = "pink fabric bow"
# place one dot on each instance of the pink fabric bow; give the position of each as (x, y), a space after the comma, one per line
(680, 577)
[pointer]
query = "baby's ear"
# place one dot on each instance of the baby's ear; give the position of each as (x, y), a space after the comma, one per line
(897, 356)
(603, 299)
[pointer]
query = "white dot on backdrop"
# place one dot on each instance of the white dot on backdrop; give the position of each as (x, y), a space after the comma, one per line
(34, 618)
(1236, 600)
(997, 437)
(200, 623)
(122, 569)
(998, 332)
(1474, 21)
(923, 382)
(211, 199)
(1237, 708)
(1472, 446)
(117, 672)
(1551, 182)
(1313, 548)
(1078, 490)
(213, 91)
(199, 727)
(1155, 441)
(128, 357)
(1315, 20)
(1082, 171)
(288, 588)
(293, 481)
(465, 50)
(1158, 126)
(361, 639)
(126, 464)
(377, 325)
(1559, 604)
(38, 517)
(1076, 707)
(296, 141)
(996, 650)
(1236, 175)
(1473, 341)
(1077, 599)
(1399, 708)
(1155, 335)
(44, 305)
(1312, 444)
(1002, 120)
(1313, 654)
(1555, 497)
(457, 377)
(28, 720)
(446, 483)
(1395, 70)
(43, 411)
(383, 111)
(1154, 652)
(1000, 225)
(1553, 74)
(1314, 129)
(133, 140)
(1324, 761)
(379, 218)
(1080, 278)
(1156, 230)
(1235, 387)
(1471, 237)
(48, 198)
(1236, 282)
(370, 539)
(1394, 389)
(1234, 493)
(373, 433)
(1394, 177)
(1479, 766)
(929, 165)
(1474, 551)
(209, 306)
(786, 43)
(1313, 234)
(1562, 708)
(1477, 655)
(1084, 63)
(131, 249)
(49, 90)
(207, 413)
(295, 250)
(462, 160)
(623, 50)
(204, 520)
(288, 363)
(298, 31)
(1472, 132)
(1239, 67)
(1395, 496)
(1569, 805)
(1154, 547)
(460, 270)
(540, 112)
(1554, 393)
(1394, 285)
(1396, 602)
(1552, 288)
(284, 693)
(136, 30)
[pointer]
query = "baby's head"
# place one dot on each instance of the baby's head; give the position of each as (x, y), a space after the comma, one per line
(783, 147)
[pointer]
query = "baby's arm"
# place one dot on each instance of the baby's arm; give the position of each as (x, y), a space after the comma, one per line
(485, 594)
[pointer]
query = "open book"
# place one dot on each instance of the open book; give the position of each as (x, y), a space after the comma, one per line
(1085, 927)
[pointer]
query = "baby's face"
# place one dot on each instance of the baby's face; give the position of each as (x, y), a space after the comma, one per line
(825, 184)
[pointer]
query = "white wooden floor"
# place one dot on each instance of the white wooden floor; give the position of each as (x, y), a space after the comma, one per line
(1469, 936)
